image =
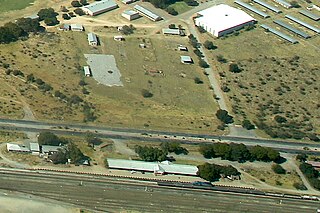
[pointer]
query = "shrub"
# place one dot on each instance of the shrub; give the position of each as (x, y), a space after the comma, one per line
(197, 80)
(221, 59)
(209, 45)
(146, 93)
(234, 68)
(223, 116)
(299, 186)
(247, 124)
(203, 63)
(278, 169)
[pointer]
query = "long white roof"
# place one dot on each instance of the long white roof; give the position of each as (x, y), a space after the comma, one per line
(222, 17)
(101, 5)
(152, 166)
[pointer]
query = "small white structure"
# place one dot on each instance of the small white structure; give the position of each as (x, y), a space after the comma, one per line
(222, 19)
(183, 48)
(76, 27)
(130, 14)
(13, 147)
(186, 59)
(147, 13)
(99, 7)
(118, 38)
(87, 71)
(92, 39)
(168, 31)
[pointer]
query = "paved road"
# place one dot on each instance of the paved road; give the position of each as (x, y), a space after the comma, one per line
(152, 135)
(113, 195)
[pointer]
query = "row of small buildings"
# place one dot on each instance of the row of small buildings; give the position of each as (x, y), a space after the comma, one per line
(33, 148)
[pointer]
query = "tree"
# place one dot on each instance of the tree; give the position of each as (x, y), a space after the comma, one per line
(48, 138)
(84, 2)
(59, 157)
(207, 151)
(209, 45)
(299, 186)
(203, 63)
(295, 4)
(75, 99)
(234, 68)
(146, 93)
(222, 150)
(238, 152)
(172, 26)
(51, 21)
(171, 11)
(75, 4)
(29, 25)
(308, 170)
(247, 124)
(92, 139)
(127, 30)
(301, 157)
(65, 16)
(30, 78)
(79, 12)
(197, 80)
(46, 13)
(150, 153)
(278, 169)
(173, 147)
(280, 119)
(212, 172)
(74, 153)
(221, 59)
(223, 116)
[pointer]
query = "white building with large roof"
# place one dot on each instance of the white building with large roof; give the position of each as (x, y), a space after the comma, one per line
(155, 167)
(222, 19)
(99, 7)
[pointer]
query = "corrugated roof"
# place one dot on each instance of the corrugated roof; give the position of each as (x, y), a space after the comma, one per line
(270, 7)
(86, 70)
(17, 147)
(92, 38)
(47, 148)
(152, 166)
(280, 34)
(101, 5)
(317, 30)
(282, 2)
(185, 58)
(310, 15)
(171, 31)
(130, 12)
(34, 147)
(76, 26)
(292, 29)
(147, 12)
(249, 7)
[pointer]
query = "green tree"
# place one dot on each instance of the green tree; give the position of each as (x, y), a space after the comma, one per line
(278, 169)
(59, 157)
(150, 153)
(51, 21)
(203, 63)
(247, 124)
(74, 153)
(75, 4)
(207, 151)
(46, 13)
(92, 139)
(171, 11)
(173, 147)
(29, 25)
(209, 45)
(234, 68)
(48, 138)
(224, 116)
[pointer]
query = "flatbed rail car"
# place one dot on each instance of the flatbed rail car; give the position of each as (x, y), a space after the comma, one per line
(208, 186)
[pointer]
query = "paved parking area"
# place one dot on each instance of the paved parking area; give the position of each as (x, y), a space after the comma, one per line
(104, 69)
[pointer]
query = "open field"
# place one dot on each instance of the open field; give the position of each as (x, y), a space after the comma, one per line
(277, 78)
(7, 5)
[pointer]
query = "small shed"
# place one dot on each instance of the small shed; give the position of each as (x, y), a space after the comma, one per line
(87, 71)
(92, 39)
(47, 149)
(77, 27)
(183, 48)
(168, 31)
(64, 27)
(34, 148)
(186, 59)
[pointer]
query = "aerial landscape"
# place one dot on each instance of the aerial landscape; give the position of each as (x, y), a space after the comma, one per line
(159, 106)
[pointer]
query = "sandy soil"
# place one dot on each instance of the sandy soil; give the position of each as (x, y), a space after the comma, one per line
(16, 202)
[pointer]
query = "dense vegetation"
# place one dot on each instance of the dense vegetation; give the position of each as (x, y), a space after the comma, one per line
(239, 152)
(148, 153)
(213, 172)
(311, 174)
(48, 138)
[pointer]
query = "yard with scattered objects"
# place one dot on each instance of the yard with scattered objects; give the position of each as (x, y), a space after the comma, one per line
(159, 91)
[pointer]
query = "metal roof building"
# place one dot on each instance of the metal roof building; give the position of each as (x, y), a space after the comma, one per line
(155, 167)
(130, 14)
(249, 7)
(310, 15)
(128, 1)
(222, 19)
(266, 5)
(186, 59)
(147, 13)
(292, 29)
(92, 39)
(87, 71)
(13, 147)
(34, 147)
(283, 3)
(76, 27)
(50, 149)
(317, 30)
(280, 34)
(169, 31)
(99, 7)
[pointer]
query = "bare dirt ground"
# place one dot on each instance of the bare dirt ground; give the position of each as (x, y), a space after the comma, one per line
(13, 202)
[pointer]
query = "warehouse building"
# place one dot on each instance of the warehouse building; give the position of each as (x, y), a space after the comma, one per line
(283, 3)
(280, 34)
(130, 14)
(252, 9)
(158, 168)
(99, 7)
(222, 19)
(310, 15)
(147, 13)
(76, 27)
